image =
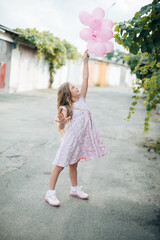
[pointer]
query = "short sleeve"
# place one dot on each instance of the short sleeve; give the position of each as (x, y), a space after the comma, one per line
(63, 107)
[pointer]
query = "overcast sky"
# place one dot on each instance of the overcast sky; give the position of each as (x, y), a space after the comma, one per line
(61, 17)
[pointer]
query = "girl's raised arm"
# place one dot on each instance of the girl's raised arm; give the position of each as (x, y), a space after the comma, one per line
(84, 86)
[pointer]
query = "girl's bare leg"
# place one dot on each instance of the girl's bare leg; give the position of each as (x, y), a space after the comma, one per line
(73, 174)
(54, 176)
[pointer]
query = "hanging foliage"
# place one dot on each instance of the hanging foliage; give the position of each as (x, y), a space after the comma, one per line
(55, 51)
(141, 35)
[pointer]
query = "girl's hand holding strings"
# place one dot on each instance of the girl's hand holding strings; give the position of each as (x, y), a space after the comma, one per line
(86, 56)
(62, 120)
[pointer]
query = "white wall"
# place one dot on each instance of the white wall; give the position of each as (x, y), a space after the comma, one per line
(27, 71)
(113, 74)
(15, 58)
(73, 72)
(70, 72)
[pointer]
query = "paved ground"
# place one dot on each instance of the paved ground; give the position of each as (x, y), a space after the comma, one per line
(124, 185)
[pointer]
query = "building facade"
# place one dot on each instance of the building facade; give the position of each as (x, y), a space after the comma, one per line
(22, 70)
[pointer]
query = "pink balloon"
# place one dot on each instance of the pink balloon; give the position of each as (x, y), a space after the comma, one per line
(105, 34)
(95, 24)
(90, 46)
(109, 45)
(85, 17)
(86, 34)
(97, 39)
(99, 49)
(98, 13)
(107, 23)
(99, 32)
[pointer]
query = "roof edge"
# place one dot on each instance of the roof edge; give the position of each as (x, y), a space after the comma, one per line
(9, 30)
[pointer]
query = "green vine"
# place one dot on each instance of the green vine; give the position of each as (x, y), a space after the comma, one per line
(55, 51)
(141, 36)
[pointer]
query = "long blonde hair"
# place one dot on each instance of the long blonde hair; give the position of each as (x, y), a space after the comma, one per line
(64, 98)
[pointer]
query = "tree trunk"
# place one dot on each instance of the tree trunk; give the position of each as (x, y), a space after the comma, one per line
(50, 80)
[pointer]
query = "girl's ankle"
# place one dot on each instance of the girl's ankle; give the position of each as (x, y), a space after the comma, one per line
(51, 191)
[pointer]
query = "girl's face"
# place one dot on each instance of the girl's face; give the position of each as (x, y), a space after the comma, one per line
(74, 90)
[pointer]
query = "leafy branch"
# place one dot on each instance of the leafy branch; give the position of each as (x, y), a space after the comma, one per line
(140, 35)
(55, 51)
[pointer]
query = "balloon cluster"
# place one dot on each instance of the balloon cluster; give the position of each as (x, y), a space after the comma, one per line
(99, 32)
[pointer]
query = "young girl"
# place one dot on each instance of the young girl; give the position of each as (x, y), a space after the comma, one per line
(81, 141)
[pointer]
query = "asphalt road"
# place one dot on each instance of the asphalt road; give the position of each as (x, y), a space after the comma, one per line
(124, 185)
